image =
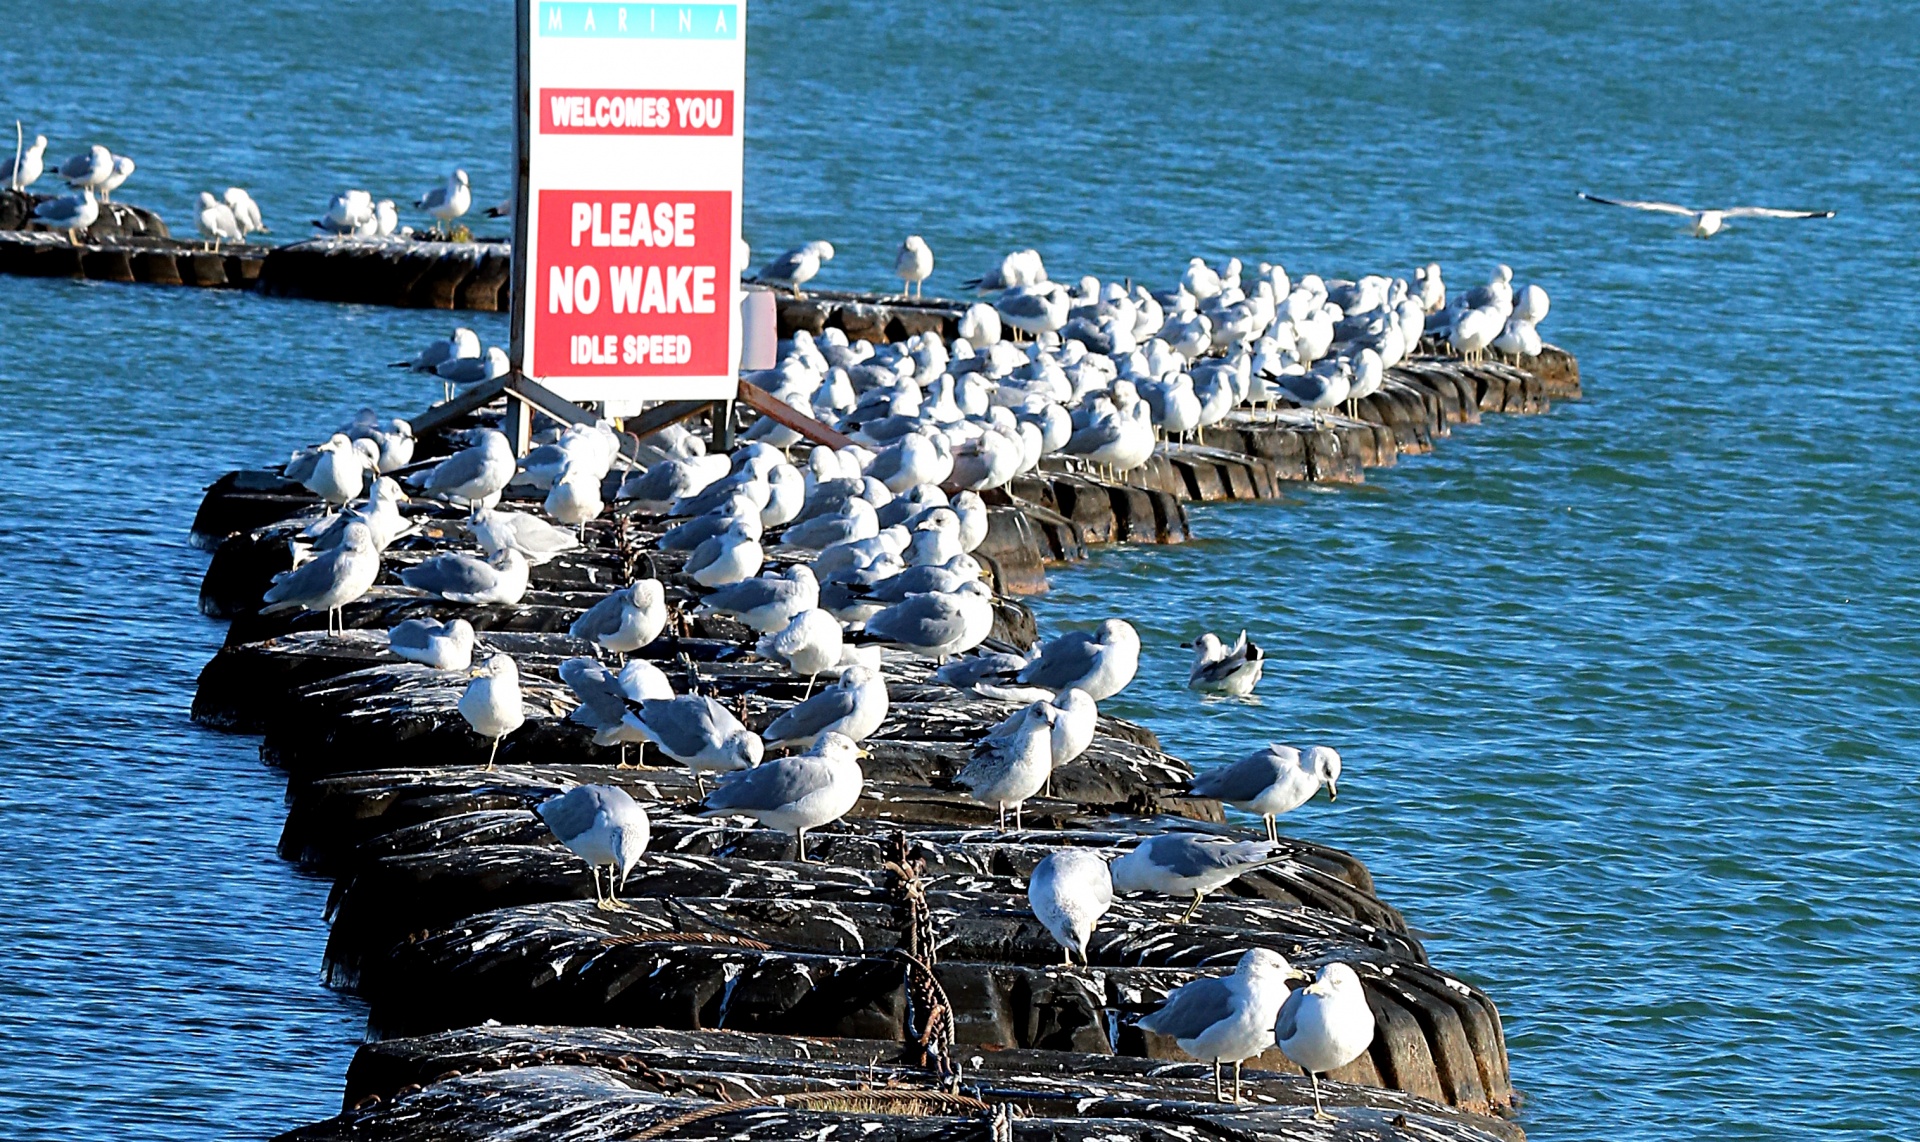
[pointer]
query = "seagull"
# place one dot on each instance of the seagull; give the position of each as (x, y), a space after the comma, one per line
(575, 497)
(491, 703)
(697, 732)
(936, 626)
(217, 223)
(604, 696)
(329, 580)
(1069, 892)
(447, 201)
(443, 646)
(28, 165)
(914, 262)
(794, 794)
(853, 707)
(380, 512)
(1272, 781)
(1100, 662)
(347, 213)
(1008, 768)
(603, 825)
(245, 211)
(769, 602)
(1176, 864)
(1706, 223)
(491, 365)
(1220, 669)
(626, 620)
(1227, 1020)
(87, 171)
(797, 266)
(1325, 1025)
(533, 537)
(73, 213)
(461, 578)
(339, 472)
(729, 557)
(463, 343)
(473, 474)
(808, 644)
(122, 171)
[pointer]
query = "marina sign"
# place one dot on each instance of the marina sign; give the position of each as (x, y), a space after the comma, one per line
(627, 215)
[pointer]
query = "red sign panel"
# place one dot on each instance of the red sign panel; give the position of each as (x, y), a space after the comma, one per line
(604, 111)
(633, 283)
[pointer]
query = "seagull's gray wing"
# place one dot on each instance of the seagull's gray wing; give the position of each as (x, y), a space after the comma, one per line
(1190, 855)
(1065, 661)
(1634, 204)
(812, 716)
(687, 725)
(572, 813)
(1242, 781)
(433, 198)
(923, 620)
(452, 574)
(1304, 388)
(1219, 669)
(738, 598)
(965, 672)
(414, 634)
(1026, 305)
(601, 698)
(1191, 1009)
(462, 467)
(1769, 212)
(1288, 1020)
(1095, 435)
(603, 618)
(785, 266)
(314, 577)
(769, 785)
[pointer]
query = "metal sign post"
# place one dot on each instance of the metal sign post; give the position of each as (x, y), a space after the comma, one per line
(627, 215)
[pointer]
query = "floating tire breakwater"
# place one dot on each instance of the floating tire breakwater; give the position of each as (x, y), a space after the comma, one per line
(895, 984)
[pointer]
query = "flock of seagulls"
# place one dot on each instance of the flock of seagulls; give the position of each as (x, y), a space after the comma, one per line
(229, 218)
(93, 174)
(1101, 372)
(355, 213)
(828, 556)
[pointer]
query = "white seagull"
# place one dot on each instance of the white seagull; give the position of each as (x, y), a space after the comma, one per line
(1271, 781)
(797, 266)
(491, 703)
(1706, 223)
(28, 165)
(1069, 892)
(1227, 1020)
(914, 262)
(1325, 1025)
(603, 825)
(447, 201)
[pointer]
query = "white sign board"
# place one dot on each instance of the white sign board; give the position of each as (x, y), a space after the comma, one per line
(627, 219)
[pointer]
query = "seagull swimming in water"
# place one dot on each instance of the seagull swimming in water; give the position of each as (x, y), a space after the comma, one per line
(1706, 223)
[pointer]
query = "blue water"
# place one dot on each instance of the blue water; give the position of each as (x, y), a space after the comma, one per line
(1625, 691)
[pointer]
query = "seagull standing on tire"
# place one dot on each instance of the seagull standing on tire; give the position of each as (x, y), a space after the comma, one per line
(797, 266)
(491, 703)
(448, 201)
(602, 825)
(1325, 1025)
(914, 263)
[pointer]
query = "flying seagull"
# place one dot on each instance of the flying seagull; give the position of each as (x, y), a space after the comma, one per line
(1707, 223)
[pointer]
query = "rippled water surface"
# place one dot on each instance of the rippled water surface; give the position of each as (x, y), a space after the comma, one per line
(1626, 692)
